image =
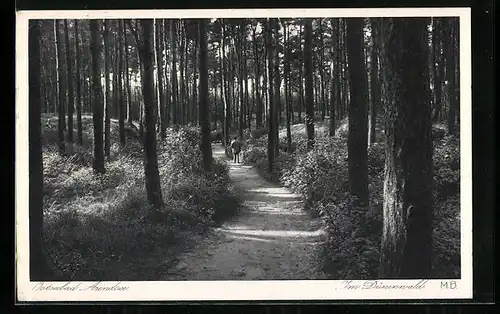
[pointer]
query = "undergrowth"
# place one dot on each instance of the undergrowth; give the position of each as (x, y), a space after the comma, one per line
(320, 177)
(101, 227)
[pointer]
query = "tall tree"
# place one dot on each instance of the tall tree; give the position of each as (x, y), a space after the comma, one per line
(107, 96)
(333, 72)
(120, 93)
(60, 90)
(175, 90)
(438, 67)
(308, 69)
(97, 104)
(271, 145)
(277, 83)
(358, 123)
(241, 38)
(127, 80)
(258, 102)
(153, 187)
(159, 64)
(39, 267)
(69, 76)
(286, 74)
(407, 231)
(374, 82)
(78, 88)
(451, 74)
(204, 114)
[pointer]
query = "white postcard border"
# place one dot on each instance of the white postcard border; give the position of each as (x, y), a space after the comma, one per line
(240, 290)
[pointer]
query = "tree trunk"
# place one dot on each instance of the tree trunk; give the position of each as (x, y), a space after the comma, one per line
(151, 173)
(301, 79)
(69, 77)
(321, 69)
(438, 67)
(121, 103)
(258, 102)
(451, 77)
(240, 77)
(182, 81)
(97, 104)
(225, 90)
(194, 117)
(334, 77)
(127, 82)
(175, 90)
(308, 66)
(204, 114)
(408, 185)
(39, 267)
(107, 111)
(159, 64)
(375, 85)
(78, 86)
(60, 91)
(288, 104)
(271, 120)
(277, 84)
(358, 123)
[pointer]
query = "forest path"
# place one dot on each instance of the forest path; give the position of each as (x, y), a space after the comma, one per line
(271, 238)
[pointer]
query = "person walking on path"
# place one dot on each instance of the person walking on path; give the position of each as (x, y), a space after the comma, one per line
(236, 149)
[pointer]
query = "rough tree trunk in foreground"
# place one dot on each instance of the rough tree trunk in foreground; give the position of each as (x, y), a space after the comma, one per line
(357, 140)
(38, 263)
(204, 114)
(407, 231)
(97, 103)
(308, 67)
(153, 187)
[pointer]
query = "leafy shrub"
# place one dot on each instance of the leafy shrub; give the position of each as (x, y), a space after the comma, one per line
(353, 246)
(101, 227)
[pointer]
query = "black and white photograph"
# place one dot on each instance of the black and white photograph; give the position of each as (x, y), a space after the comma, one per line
(162, 149)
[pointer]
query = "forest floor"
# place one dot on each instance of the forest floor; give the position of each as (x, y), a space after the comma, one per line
(272, 237)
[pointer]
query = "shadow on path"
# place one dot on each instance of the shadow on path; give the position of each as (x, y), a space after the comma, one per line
(271, 238)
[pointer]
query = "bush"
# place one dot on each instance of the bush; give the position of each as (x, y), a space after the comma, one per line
(101, 227)
(353, 239)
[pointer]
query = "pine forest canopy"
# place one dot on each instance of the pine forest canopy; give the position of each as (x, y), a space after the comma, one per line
(229, 77)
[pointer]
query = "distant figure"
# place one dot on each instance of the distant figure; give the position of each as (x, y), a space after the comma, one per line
(236, 148)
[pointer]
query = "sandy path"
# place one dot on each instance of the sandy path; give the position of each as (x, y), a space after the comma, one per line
(272, 237)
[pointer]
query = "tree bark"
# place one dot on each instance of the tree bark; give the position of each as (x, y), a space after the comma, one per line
(175, 90)
(204, 113)
(358, 123)
(277, 84)
(288, 104)
(69, 77)
(159, 64)
(451, 77)
(240, 77)
(271, 119)
(408, 185)
(375, 84)
(107, 111)
(308, 66)
(78, 88)
(151, 173)
(97, 104)
(39, 267)
(121, 102)
(60, 91)
(127, 81)
(334, 67)
(258, 102)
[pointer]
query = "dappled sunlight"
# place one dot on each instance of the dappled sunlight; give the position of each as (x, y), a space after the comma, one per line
(273, 233)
